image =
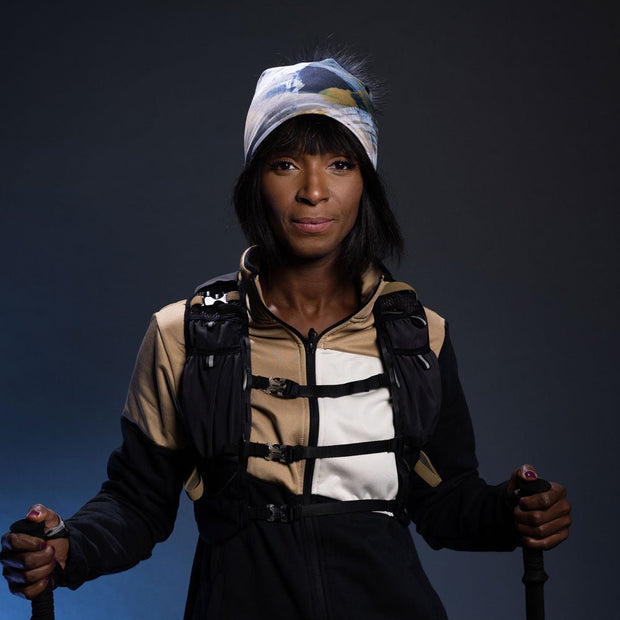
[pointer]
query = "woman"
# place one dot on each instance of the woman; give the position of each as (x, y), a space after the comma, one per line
(309, 403)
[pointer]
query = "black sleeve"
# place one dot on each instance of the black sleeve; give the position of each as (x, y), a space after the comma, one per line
(463, 512)
(135, 509)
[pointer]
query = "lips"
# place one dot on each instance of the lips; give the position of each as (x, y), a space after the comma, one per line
(312, 224)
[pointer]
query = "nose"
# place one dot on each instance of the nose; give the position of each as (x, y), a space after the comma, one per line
(313, 187)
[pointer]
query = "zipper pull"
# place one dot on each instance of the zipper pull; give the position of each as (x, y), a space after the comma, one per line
(312, 340)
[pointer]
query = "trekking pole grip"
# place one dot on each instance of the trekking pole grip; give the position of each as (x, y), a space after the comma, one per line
(534, 575)
(42, 605)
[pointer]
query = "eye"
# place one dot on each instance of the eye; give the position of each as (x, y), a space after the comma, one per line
(343, 164)
(281, 165)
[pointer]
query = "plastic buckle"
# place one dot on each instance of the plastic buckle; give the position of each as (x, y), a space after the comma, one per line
(276, 385)
(279, 513)
(276, 452)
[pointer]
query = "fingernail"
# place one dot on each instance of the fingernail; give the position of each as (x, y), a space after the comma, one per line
(54, 561)
(33, 513)
(43, 545)
(530, 475)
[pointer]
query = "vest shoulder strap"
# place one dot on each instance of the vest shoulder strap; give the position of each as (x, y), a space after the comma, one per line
(394, 287)
(224, 282)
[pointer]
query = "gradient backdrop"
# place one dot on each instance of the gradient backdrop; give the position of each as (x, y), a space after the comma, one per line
(121, 139)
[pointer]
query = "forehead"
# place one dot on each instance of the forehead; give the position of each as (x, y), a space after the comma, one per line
(312, 134)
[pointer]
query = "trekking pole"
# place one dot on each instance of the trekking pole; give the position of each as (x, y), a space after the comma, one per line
(42, 605)
(534, 575)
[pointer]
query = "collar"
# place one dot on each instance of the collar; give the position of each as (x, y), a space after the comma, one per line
(374, 280)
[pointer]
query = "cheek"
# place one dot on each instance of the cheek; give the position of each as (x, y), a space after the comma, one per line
(355, 201)
(273, 211)
(274, 199)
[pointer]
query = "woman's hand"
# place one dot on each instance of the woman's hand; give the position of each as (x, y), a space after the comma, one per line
(27, 561)
(543, 519)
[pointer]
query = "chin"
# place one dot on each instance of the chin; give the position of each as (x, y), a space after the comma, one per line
(298, 255)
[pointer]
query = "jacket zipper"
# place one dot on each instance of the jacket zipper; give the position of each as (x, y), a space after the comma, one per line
(320, 601)
(321, 608)
(313, 403)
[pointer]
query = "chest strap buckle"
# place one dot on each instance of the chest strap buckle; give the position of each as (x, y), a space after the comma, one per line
(277, 386)
(278, 452)
(279, 513)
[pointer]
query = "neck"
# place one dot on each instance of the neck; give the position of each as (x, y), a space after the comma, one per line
(310, 295)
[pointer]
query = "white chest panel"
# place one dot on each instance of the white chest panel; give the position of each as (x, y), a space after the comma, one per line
(366, 416)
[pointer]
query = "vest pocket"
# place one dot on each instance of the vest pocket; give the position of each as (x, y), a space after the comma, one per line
(213, 386)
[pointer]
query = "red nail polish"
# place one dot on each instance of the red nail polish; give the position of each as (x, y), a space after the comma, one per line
(33, 513)
(530, 475)
(43, 545)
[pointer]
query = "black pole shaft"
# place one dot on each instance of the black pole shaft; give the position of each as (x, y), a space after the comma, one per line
(42, 605)
(534, 578)
(534, 575)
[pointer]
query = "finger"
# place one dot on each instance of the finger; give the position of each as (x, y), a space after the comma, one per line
(38, 574)
(21, 542)
(28, 577)
(539, 517)
(544, 500)
(31, 591)
(525, 472)
(545, 530)
(39, 513)
(547, 543)
(31, 560)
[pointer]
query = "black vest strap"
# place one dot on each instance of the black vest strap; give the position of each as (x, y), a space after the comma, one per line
(286, 388)
(292, 454)
(286, 513)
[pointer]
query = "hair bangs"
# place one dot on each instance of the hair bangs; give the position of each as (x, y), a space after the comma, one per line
(314, 134)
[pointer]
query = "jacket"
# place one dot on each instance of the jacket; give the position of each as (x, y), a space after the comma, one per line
(348, 565)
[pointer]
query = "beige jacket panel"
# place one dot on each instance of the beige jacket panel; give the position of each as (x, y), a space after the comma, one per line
(357, 335)
(277, 352)
(436, 330)
(152, 396)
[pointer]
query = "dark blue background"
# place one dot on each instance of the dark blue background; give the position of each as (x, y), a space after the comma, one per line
(121, 139)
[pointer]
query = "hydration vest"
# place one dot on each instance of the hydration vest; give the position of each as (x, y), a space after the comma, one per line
(215, 401)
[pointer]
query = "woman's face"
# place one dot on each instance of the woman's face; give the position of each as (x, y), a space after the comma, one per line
(312, 201)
